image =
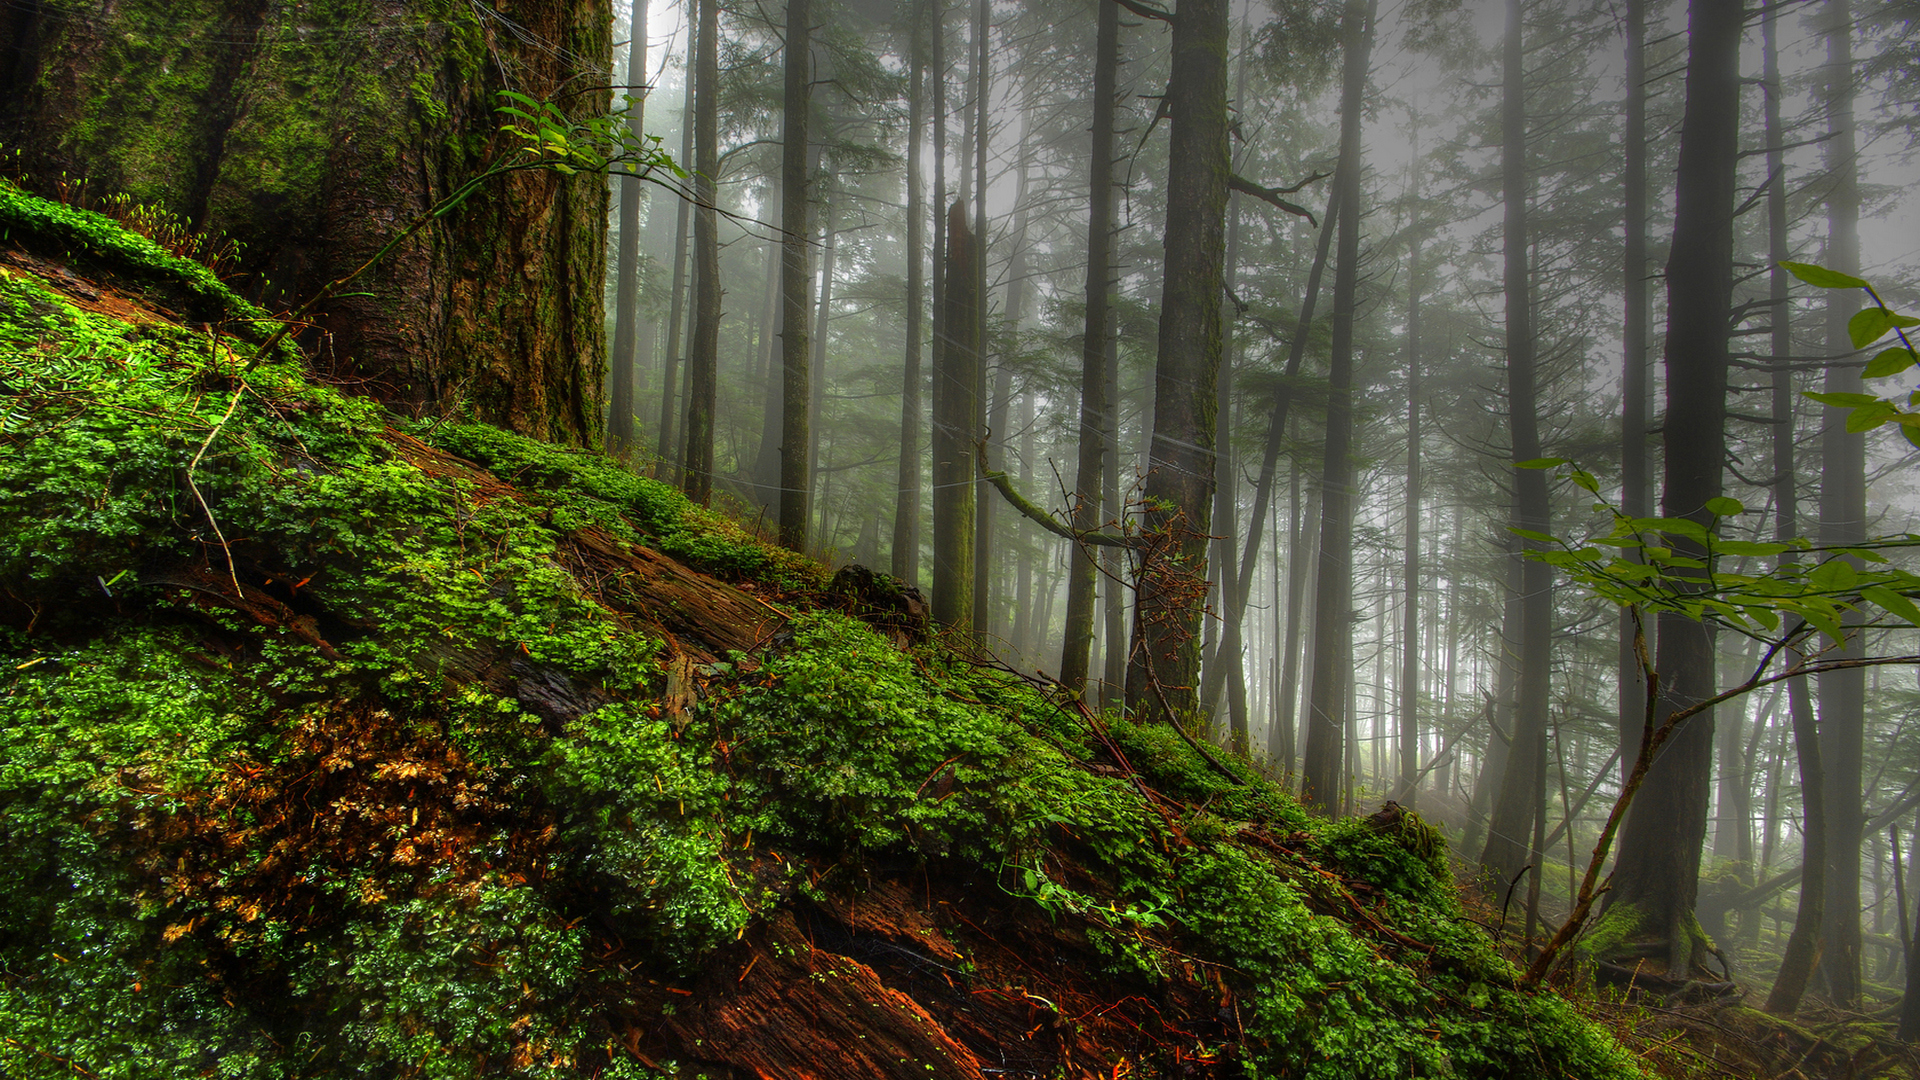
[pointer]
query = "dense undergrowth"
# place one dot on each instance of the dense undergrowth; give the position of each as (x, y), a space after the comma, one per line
(363, 770)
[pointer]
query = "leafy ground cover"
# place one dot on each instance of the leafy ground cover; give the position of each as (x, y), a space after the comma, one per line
(338, 745)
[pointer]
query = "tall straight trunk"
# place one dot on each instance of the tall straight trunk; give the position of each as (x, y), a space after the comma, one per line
(1803, 944)
(954, 411)
(1499, 709)
(1635, 492)
(1843, 514)
(766, 458)
(999, 625)
(983, 560)
(796, 280)
(1285, 726)
(703, 359)
(1658, 871)
(906, 509)
(936, 357)
(623, 365)
(1235, 581)
(1165, 662)
(1327, 692)
(816, 398)
(1024, 635)
(676, 315)
(1522, 790)
(1409, 726)
(1112, 593)
(1083, 574)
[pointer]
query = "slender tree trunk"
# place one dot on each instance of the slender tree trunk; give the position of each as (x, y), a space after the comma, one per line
(625, 361)
(1409, 687)
(1333, 594)
(906, 510)
(1082, 574)
(1000, 626)
(1285, 724)
(703, 359)
(983, 555)
(937, 354)
(1843, 513)
(1658, 870)
(816, 398)
(796, 280)
(1635, 493)
(1114, 594)
(1523, 788)
(676, 318)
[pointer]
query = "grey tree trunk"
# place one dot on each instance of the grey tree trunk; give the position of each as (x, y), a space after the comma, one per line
(1328, 690)
(624, 364)
(796, 280)
(1843, 520)
(703, 359)
(954, 411)
(906, 510)
(1635, 490)
(1523, 787)
(1082, 575)
(1658, 870)
(676, 315)
(1409, 688)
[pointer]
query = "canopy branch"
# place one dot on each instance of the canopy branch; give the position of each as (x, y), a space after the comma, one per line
(1272, 195)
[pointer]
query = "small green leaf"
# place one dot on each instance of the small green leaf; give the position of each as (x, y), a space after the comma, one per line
(1890, 362)
(1585, 480)
(1822, 278)
(1531, 534)
(1540, 463)
(1869, 325)
(1721, 506)
(1868, 417)
(1842, 401)
(1900, 606)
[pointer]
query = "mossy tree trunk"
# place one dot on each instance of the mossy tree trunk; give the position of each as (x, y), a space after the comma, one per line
(312, 134)
(1171, 591)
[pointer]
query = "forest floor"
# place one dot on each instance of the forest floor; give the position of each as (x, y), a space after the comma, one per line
(357, 746)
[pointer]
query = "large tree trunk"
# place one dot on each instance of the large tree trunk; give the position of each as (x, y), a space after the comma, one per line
(982, 506)
(1165, 660)
(1409, 688)
(1843, 514)
(676, 315)
(796, 277)
(703, 357)
(314, 150)
(1658, 871)
(624, 364)
(1077, 649)
(955, 409)
(1522, 789)
(1329, 684)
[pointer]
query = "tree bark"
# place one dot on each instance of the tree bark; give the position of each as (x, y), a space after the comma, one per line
(954, 412)
(1409, 688)
(1082, 575)
(1165, 661)
(1327, 695)
(1843, 513)
(703, 358)
(906, 510)
(796, 281)
(676, 315)
(1523, 788)
(1658, 870)
(314, 151)
(624, 364)
(1635, 497)
(982, 506)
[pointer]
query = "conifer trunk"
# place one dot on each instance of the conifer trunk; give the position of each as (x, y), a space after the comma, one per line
(703, 358)
(315, 150)
(796, 277)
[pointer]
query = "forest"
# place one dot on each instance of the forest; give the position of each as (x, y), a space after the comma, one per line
(1299, 538)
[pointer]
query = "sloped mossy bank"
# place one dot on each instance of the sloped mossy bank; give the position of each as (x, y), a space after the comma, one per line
(450, 754)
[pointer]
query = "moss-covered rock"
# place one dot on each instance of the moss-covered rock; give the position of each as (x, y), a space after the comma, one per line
(362, 748)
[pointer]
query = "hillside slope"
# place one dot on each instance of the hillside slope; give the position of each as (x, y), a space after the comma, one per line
(366, 747)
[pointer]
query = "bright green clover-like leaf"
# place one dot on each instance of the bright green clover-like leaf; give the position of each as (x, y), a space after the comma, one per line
(1822, 278)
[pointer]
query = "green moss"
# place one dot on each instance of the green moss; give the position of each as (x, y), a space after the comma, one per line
(261, 848)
